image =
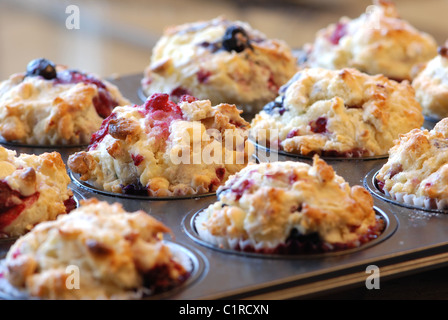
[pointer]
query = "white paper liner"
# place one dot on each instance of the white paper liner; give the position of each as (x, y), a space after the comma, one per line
(231, 243)
(421, 201)
(179, 255)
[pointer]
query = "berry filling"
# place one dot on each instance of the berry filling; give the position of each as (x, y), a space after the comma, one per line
(275, 106)
(179, 92)
(137, 159)
(70, 204)
(203, 76)
(104, 102)
(380, 185)
(241, 188)
(212, 46)
(214, 184)
(159, 278)
(443, 51)
(339, 32)
(319, 126)
(272, 86)
(293, 133)
(298, 243)
(135, 189)
(12, 204)
(395, 169)
(41, 67)
(235, 39)
(98, 136)
(220, 173)
(160, 112)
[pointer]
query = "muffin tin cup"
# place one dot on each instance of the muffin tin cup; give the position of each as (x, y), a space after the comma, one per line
(88, 187)
(268, 155)
(408, 201)
(189, 258)
(141, 94)
(188, 224)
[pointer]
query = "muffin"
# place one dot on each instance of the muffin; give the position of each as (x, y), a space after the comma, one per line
(431, 86)
(220, 60)
(377, 42)
(289, 207)
(337, 113)
(165, 149)
(32, 189)
(52, 105)
(117, 255)
(416, 172)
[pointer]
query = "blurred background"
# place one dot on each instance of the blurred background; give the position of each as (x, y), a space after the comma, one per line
(116, 37)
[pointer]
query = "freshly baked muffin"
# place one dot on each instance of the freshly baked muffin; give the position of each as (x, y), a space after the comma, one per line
(165, 149)
(220, 60)
(53, 105)
(32, 189)
(416, 172)
(289, 207)
(338, 113)
(377, 42)
(115, 254)
(431, 86)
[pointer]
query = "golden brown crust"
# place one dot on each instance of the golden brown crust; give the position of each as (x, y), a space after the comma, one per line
(116, 253)
(40, 185)
(124, 129)
(377, 42)
(34, 110)
(358, 114)
(162, 157)
(263, 203)
(190, 57)
(82, 163)
(417, 168)
(431, 86)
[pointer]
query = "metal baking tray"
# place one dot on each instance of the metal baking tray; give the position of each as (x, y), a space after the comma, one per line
(414, 240)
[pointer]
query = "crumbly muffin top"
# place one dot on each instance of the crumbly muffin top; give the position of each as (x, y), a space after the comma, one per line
(165, 149)
(377, 42)
(221, 60)
(118, 255)
(32, 189)
(418, 164)
(65, 109)
(338, 113)
(431, 85)
(281, 201)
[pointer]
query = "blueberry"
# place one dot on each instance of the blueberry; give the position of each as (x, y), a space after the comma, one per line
(235, 39)
(276, 105)
(135, 189)
(41, 67)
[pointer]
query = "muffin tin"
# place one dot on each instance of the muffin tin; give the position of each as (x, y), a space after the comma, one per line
(414, 239)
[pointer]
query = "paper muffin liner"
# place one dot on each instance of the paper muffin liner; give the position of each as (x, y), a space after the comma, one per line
(418, 201)
(280, 247)
(233, 243)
